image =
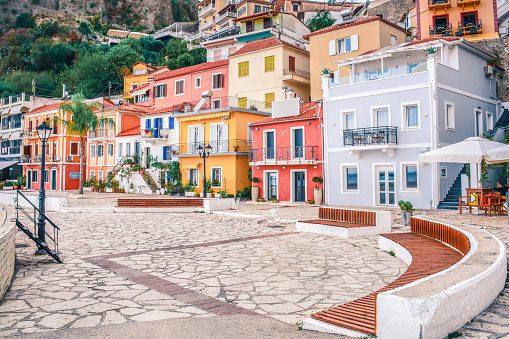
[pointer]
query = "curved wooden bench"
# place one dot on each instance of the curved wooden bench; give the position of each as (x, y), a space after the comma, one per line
(159, 203)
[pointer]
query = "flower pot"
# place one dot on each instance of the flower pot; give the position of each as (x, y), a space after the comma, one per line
(201, 195)
(255, 193)
(22, 186)
(317, 194)
(405, 216)
(158, 192)
(190, 194)
(109, 190)
(209, 195)
(131, 190)
(87, 189)
(15, 187)
(101, 190)
(95, 190)
(217, 195)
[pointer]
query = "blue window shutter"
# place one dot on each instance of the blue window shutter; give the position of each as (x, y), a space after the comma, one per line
(147, 123)
(172, 123)
(165, 148)
(169, 153)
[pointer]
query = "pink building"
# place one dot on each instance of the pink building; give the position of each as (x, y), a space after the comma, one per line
(287, 151)
(185, 85)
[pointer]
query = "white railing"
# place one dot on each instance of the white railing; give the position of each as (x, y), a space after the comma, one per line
(206, 10)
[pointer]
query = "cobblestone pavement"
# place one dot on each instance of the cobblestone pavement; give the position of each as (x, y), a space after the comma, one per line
(128, 268)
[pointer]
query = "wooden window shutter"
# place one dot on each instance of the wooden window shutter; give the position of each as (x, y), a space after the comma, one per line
(154, 92)
(164, 90)
(332, 47)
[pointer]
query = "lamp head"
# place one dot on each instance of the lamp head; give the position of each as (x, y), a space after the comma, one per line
(208, 149)
(200, 149)
(43, 131)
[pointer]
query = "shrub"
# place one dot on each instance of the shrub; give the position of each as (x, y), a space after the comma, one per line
(177, 190)
(405, 206)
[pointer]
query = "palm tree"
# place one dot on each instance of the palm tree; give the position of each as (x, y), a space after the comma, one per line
(79, 118)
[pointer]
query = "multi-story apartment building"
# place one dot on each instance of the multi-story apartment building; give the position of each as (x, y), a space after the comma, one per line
(395, 104)
(347, 40)
(471, 19)
(287, 150)
(226, 131)
(104, 150)
(260, 69)
(62, 170)
(140, 76)
(11, 110)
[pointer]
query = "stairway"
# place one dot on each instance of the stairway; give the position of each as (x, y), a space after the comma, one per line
(150, 182)
(451, 200)
(503, 121)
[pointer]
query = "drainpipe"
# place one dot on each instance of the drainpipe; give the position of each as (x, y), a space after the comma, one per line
(320, 104)
(432, 73)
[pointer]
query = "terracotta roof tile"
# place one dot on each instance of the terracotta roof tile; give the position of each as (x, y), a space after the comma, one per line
(263, 44)
(446, 38)
(357, 21)
(309, 110)
(252, 16)
(190, 69)
(131, 131)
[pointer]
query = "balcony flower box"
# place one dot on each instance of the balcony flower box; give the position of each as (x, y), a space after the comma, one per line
(190, 194)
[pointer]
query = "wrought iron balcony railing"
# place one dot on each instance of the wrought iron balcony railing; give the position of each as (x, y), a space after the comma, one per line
(291, 153)
(471, 27)
(444, 30)
(154, 133)
(370, 136)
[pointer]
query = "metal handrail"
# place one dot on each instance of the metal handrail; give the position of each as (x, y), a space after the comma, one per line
(290, 153)
(36, 209)
(382, 135)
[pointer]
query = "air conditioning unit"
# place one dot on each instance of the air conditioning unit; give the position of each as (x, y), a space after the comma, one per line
(488, 70)
(70, 158)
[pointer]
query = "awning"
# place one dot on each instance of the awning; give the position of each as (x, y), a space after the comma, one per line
(188, 166)
(5, 136)
(14, 135)
(5, 164)
(204, 116)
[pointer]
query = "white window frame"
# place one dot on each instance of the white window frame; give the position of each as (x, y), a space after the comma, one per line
(404, 121)
(450, 127)
(376, 108)
(221, 177)
(216, 100)
(93, 151)
(292, 183)
(36, 176)
(479, 128)
(132, 86)
(70, 148)
(403, 166)
(92, 174)
(266, 183)
(157, 92)
(120, 149)
(218, 88)
(128, 148)
(46, 176)
(195, 84)
(112, 150)
(343, 179)
(442, 168)
(183, 87)
(343, 118)
(197, 175)
(292, 140)
(490, 121)
(265, 138)
(100, 175)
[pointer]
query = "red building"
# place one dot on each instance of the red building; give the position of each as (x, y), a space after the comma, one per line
(287, 151)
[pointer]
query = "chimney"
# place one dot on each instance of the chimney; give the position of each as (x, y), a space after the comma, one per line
(291, 94)
(283, 93)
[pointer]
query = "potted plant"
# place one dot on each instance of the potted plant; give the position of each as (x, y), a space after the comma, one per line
(8, 185)
(131, 188)
(236, 148)
(260, 200)
(189, 189)
(317, 194)
(406, 211)
(310, 202)
(274, 200)
(22, 181)
(210, 192)
(177, 191)
(255, 191)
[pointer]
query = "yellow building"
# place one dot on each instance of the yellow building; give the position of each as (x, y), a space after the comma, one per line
(208, 13)
(226, 131)
(139, 76)
(347, 40)
(471, 19)
(260, 69)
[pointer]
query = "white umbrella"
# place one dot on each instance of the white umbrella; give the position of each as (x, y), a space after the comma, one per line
(470, 150)
(498, 155)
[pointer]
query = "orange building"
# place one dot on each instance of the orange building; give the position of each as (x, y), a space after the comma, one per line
(139, 76)
(471, 19)
(62, 167)
(103, 151)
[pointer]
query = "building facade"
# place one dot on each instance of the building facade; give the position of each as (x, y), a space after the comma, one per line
(139, 76)
(396, 104)
(287, 151)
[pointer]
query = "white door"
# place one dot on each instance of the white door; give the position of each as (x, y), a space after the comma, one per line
(385, 186)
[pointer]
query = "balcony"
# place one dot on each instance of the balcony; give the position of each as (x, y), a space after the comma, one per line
(37, 158)
(464, 3)
(30, 134)
(232, 146)
(206, 10)
(296, 75)
(101, 134)
(370, 136)
(438, 4)
(155, 134)
(207, 24)
(225, 16)
(443, 30)
(223, 34)
(469, 27)
(284, 155)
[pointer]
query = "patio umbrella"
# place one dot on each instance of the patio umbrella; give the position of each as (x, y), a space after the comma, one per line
(498, 155)
(470, 150)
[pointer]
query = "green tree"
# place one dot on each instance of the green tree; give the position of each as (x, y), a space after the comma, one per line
(49, 56)
(79, 118)
(45, 84)
(134, 44)
(321, 20)
(6, 89)
(199, 55)
(25, 20)
(176, 47)
(85, 29)
(185, 60)
(123, 56)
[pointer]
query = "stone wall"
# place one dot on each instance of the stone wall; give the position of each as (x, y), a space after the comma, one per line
(7, 256)
(500, 46)
(390, 10)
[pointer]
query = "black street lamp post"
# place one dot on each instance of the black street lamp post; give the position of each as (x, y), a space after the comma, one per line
(204, 154)
(43, 131)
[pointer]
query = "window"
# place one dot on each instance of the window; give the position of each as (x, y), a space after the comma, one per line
(216, 176)
(35, 176)
(195, 137)
(120, 149)
(257, 9)
(267, 23)
(478, 123)
(48, 149)
(46, 176)
(269, 63)
(243, 102)
(411, 117)
(139, 71)
(100, 151)
(291, 63)
(469, 19)
(266, 8)
(160, 91)
(410, 177)
(179, 87)
(394, 40)
(295, 7)
(243, 69)
(128, 149)
(350, 178)
(449, 116)
(166, 152)
(440, 24)
(171, 123)
(381, 117)
(344, 45)
(348, 120)
(93, 154)
(100, 175)
(197, 82)
(141, 97)
(219, 137)
(216, 103)
(489, 121)
(217, 81)
(92, 174)
(133, 86)
(249, 26)
(241, 11)
(443, 172)
(110, 150)
(269, 98)
(193, 176)
(297, 142)
(36, 149)
(74, 148)
(218, 55)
